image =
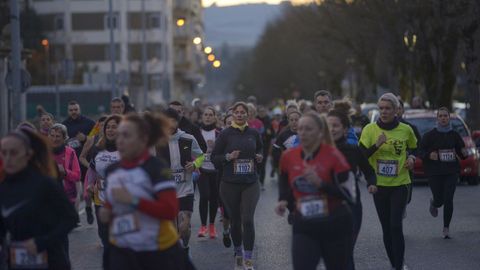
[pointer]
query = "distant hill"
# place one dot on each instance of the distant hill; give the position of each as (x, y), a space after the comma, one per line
(240, 25)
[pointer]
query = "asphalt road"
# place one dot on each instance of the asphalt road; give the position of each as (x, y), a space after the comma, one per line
(425, 248)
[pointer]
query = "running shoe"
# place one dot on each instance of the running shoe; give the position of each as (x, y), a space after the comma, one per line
(227, 242)
(248, 264)
(446, 233)
(212, 232)
(88, 211)
(238, 262)
(203, 231)
(433, 209)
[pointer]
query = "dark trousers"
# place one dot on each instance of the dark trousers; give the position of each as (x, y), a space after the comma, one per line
(128, 259)
(357, 212)
(390, 203)
(241, 201)
(207, 185)
(443, 189)
(330, 240)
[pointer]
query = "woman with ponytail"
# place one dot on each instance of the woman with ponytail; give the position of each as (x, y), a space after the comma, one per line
(321, 182)
(140, 199)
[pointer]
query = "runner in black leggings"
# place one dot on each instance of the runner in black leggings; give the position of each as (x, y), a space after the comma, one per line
(238, 150)
(439, 149)
(386, 144)
(207, 184)
(339, 124)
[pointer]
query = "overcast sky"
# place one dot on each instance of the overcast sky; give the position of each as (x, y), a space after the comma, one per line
(236, 2)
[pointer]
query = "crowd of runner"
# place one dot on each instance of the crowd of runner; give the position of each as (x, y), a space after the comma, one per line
(137, 174)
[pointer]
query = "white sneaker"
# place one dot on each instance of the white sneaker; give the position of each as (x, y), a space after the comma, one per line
(238, 263)
(248, 264)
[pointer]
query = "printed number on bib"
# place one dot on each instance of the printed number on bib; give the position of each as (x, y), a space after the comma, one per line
(446, 155)
(313, 206)
(178, 176)
(387, 168)
(125, 224)
(243, 166)
(207, 157)
(21, 259)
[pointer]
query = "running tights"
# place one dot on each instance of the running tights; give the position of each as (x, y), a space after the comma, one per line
(390, 203)
(207, 185)
(443, 188)
(241, 201)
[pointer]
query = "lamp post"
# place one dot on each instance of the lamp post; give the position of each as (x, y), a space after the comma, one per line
(46, 48)
(410, 41)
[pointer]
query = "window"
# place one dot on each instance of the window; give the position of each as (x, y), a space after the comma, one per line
(59, 22)
(88, 21)
(154, 50)
(52, 22)
(154, 21)
(113, 22)
(94, 52)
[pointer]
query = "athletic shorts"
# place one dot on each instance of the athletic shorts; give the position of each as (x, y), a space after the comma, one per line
(186, 203)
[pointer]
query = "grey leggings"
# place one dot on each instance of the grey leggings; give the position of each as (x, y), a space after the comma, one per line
(241, 201)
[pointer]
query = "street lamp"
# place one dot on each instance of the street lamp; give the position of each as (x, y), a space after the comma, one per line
(211, 57)
(217, 64)
(180, 22)
(208, 50)
(46, 46)
(197, 40)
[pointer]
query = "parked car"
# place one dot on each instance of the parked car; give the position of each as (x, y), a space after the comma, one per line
(425, 120)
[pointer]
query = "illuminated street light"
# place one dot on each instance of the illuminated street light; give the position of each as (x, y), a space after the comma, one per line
(208, 50)
(217, 64)
(180, 22)
(45, 42)
(197, 40)
(211, 57)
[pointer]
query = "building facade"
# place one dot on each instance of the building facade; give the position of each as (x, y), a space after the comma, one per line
(79, 42)
(189, 58)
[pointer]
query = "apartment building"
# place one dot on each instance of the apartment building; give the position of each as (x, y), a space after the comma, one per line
(79, 38)
(189, 58)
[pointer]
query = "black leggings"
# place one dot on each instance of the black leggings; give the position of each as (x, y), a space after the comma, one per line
(262, 167)
(241, 201)
(390, 203)
(207, 185)
(329, 239)
(443, 188)
(357, 212)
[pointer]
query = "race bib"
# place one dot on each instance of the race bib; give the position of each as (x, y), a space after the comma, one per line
(243, 166)
(179, 176)
(388, 168)
(447, 155)
(74, 143)
(207, 157)
(21, 259)
(312, 207)
(125, 224)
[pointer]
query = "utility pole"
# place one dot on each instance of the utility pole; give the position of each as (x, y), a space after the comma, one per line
(15, 63)
(113, 57)
(144, 58)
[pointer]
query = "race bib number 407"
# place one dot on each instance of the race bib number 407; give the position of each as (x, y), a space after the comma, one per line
(388, 168)
(243, 166)
(447, 155)
(21, 259)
